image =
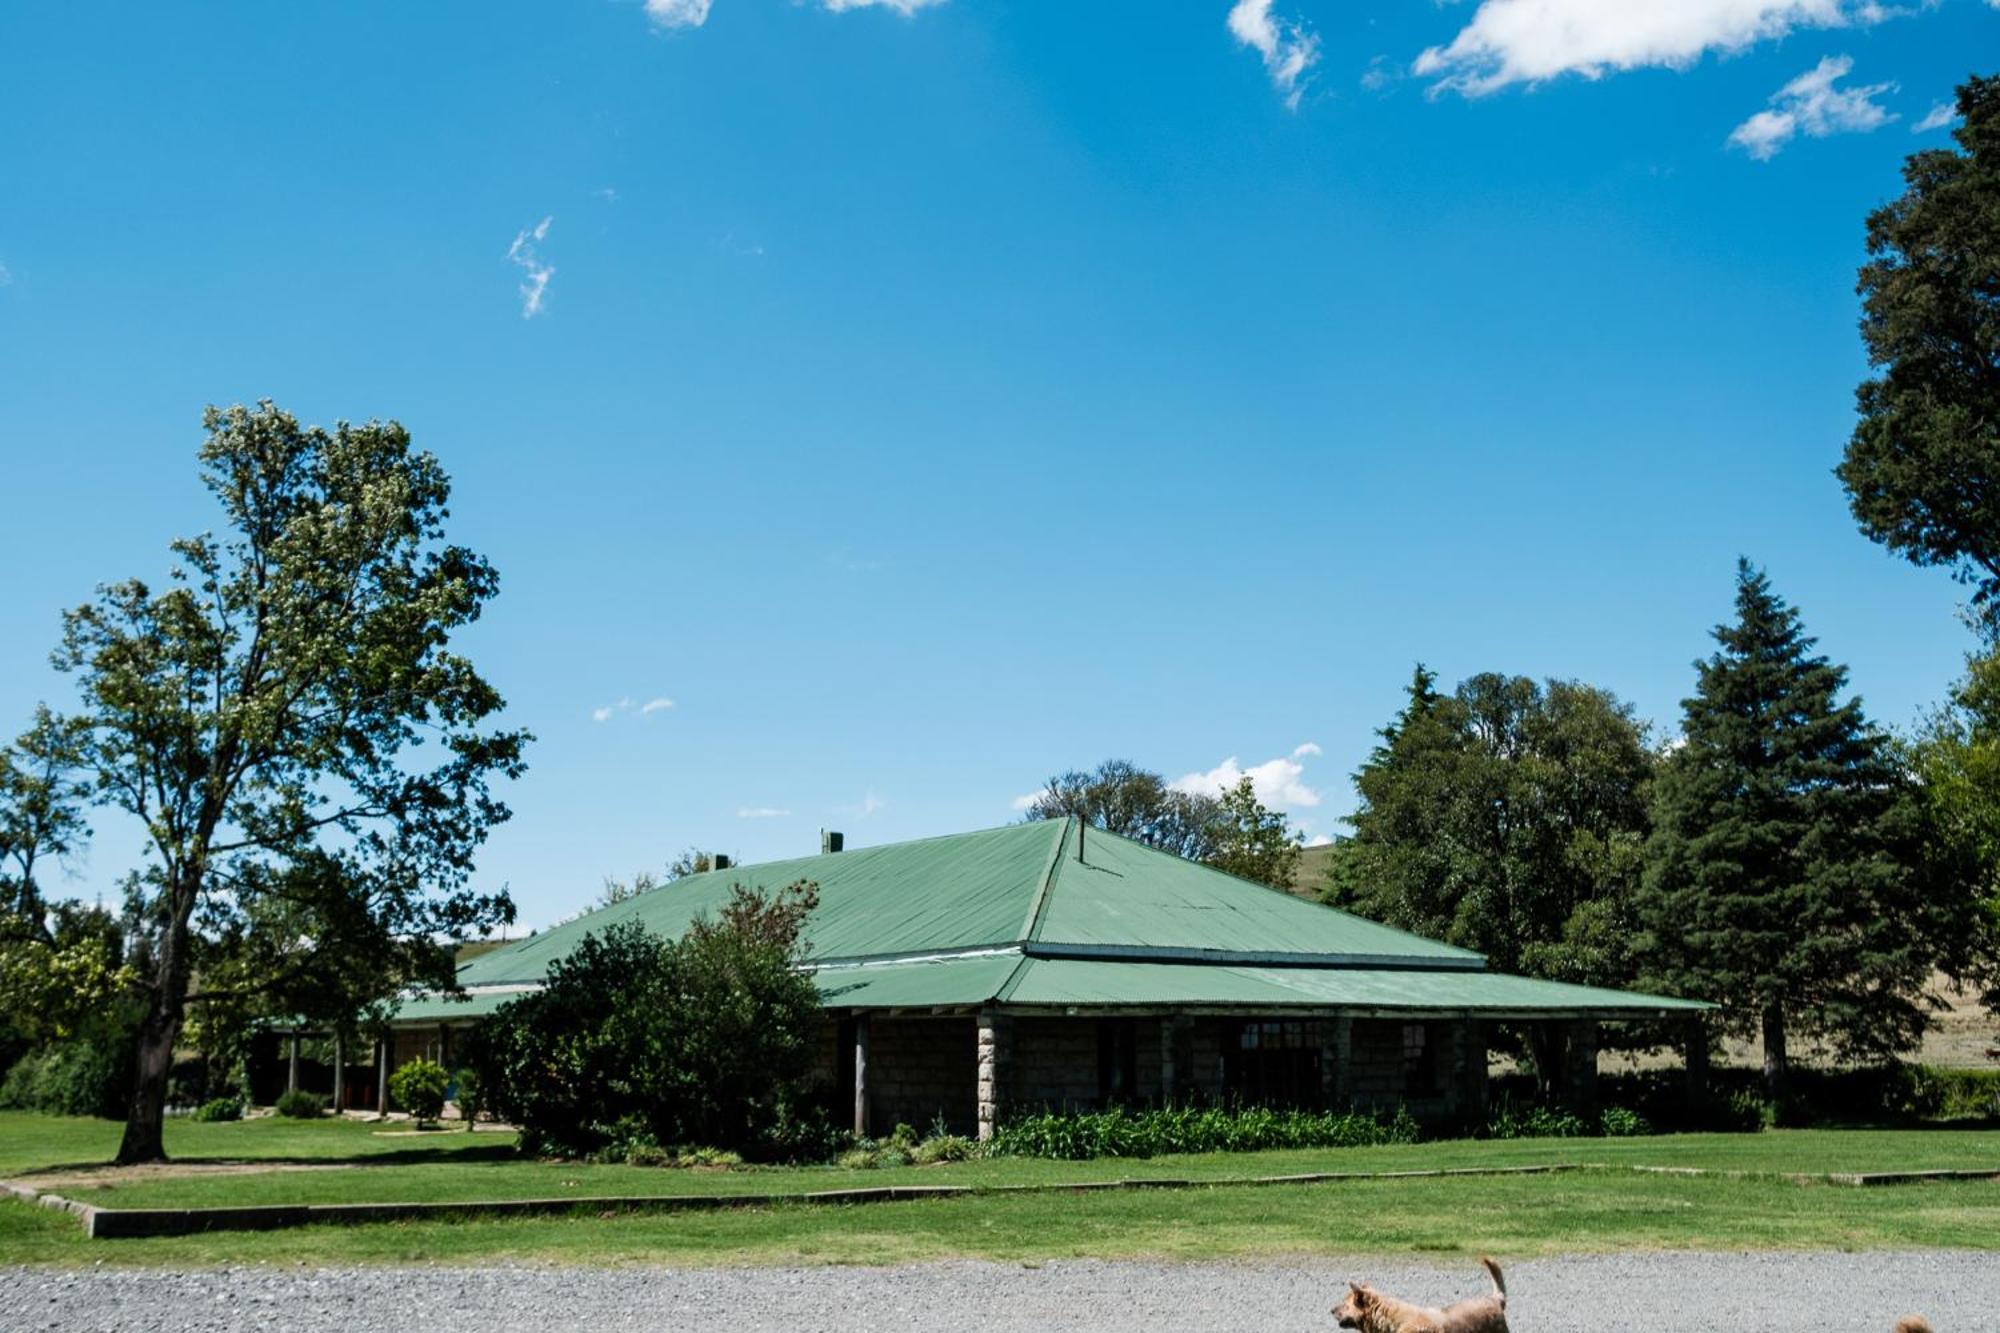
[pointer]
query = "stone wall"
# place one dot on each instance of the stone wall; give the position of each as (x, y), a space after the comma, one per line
(919, 1069)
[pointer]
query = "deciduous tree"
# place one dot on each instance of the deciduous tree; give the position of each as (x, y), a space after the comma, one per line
(288, 723)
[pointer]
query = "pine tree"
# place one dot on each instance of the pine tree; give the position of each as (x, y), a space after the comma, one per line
(1783, 875)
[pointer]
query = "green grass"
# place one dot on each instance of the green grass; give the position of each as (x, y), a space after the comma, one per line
(1585, 1210)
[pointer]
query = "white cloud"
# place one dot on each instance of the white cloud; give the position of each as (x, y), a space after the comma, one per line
(1027, 802)
(1289, 51)
(1319, 840)
(6, 278)
(761, 812)
(1812, 106)
(677, 13)
(1276, 781)
(1939, 116)
(657, 704)
(525, 255)
(1530, 41)
(903, 7)
(1310, 750)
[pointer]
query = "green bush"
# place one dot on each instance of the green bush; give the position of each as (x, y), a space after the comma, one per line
(1536, 1120)
(944, 1148)
(219, 1109)
(418, 1087)
(300, 1105)
(91, 1076)
(1618, 1122)
(709, 1038)
(469, 1103)
(1118, 1132)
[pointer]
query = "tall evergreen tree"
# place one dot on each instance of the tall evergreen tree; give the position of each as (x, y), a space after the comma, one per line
(1784, 873)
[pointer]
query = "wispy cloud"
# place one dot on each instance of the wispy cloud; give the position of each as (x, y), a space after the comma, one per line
(761, 812)
(903, 7)
(657, 704)
(677, 13)
(1289, 50)
(609, 194)
(1531, 41)
(1027, 802)
(869, 804)
(1812, 106)
(1278, 782)
(1939, 116)
(6, 278)
(525, 254)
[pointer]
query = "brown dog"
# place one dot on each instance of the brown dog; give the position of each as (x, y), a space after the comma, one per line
(1912, 1323)
(1370, 1311)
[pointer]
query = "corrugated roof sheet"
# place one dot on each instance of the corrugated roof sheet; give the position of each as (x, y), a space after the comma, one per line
(1046, 981)
(1011, 914)
(1124, 894)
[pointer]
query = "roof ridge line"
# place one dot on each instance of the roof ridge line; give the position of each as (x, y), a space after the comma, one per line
(1041, 900)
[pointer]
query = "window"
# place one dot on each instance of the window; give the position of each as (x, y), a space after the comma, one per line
(1274, 1063)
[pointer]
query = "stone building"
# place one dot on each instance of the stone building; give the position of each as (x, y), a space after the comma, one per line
(1050, 964)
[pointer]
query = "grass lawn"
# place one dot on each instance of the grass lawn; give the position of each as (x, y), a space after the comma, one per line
(1584, 1210)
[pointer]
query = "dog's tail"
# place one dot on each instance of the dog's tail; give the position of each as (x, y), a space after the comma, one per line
(1500, 1283)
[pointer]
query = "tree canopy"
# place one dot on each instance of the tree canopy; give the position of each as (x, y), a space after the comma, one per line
(1922, 468)
(1120, 797)
(1785, 876)
(1507, 817)
(288, 724)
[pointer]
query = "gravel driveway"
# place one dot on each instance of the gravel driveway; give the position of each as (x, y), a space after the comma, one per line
(1702, 1293)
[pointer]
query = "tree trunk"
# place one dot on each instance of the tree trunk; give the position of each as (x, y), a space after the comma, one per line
(153, 1052)
(1776, 1063)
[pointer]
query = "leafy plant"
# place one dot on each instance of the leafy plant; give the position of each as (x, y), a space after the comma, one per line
(470, 1094)
(940, 1148)
(219, 1109)
(300, 1105)
(1119, 1132)
(418, 1088)
(1618, 1122)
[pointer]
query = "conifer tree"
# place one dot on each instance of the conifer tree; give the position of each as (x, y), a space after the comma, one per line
(1784, 872)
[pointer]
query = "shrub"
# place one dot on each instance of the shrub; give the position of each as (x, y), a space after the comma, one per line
(469, 1103)
(418, 1088)
(300, 1105)
(1118, 1132)
(1617, 1122)
(708, 1038)
(943, 1148)
(871, 1154)
(219, 1109)
(1534, 1121)
(89, 1076)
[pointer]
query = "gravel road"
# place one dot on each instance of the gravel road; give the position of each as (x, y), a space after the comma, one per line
(1656, 1293)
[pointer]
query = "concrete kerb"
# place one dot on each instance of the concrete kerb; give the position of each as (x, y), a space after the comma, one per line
(132, 1223)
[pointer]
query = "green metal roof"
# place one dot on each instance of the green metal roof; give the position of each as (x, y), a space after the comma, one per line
(1034, 914)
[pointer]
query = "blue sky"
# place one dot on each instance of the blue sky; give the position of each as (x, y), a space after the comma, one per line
(924, 401)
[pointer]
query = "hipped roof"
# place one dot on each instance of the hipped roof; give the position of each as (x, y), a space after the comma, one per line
(1051, 914)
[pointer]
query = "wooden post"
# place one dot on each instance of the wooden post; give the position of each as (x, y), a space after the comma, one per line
(339, 1073)
(292, 1067)
(861, 1075)
(992, 1047)
(382, 1076)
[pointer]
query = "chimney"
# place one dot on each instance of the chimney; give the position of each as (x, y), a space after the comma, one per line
(831, 842)
(721, 861)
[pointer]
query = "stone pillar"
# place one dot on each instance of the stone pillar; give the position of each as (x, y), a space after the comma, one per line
(1580, 1065)
(861, 1075)
(382, 1076)
(994, 1039)
(292, 1066)
(339, 1073)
